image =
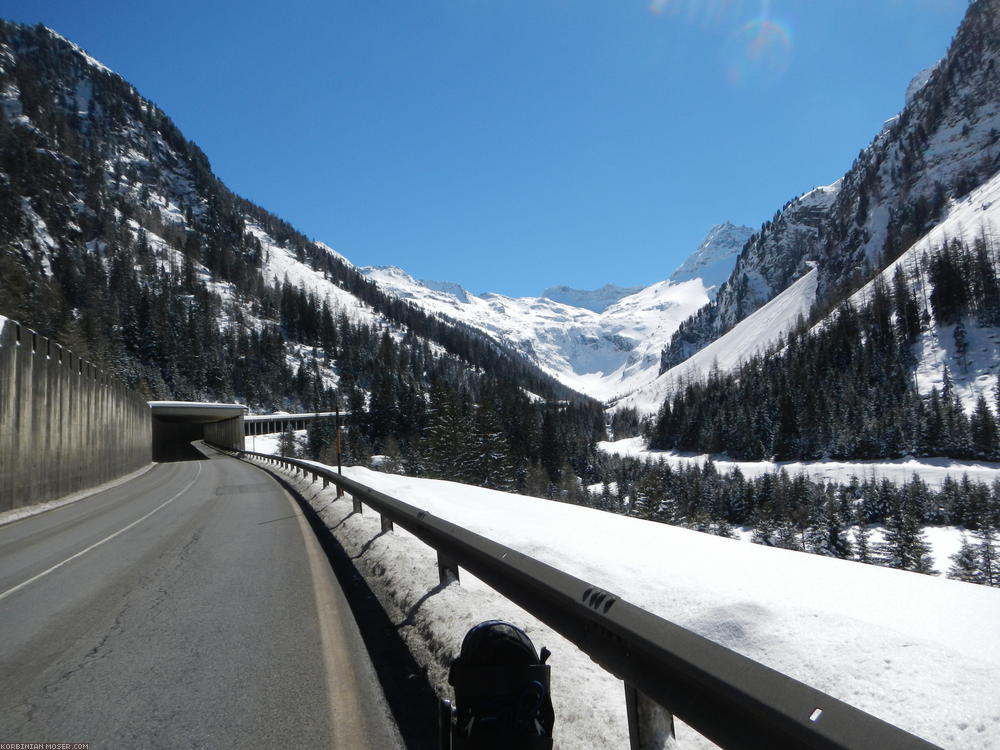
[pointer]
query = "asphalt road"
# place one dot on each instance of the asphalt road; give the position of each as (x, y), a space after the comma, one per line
(188, 608)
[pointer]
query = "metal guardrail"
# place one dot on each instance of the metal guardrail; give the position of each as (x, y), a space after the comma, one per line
(730, 699)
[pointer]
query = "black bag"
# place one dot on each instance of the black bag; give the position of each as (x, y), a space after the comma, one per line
(501, 691)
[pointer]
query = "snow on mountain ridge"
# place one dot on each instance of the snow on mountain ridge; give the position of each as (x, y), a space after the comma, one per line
(597, 300)
(920, 80)
(714, 259)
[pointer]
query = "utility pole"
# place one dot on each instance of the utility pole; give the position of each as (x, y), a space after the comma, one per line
(340, 492)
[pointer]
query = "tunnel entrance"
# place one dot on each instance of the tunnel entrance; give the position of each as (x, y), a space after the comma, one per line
(177, 423)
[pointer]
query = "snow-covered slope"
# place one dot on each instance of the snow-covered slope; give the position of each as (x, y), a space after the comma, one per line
(918, 651)
(751, 336)
(606, 344)
(977, 216)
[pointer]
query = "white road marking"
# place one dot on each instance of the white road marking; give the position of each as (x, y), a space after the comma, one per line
(44, 573)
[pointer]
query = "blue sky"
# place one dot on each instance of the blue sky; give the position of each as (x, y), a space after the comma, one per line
(511, 145)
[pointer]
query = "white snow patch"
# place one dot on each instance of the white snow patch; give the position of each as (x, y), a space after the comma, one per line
(269, 443)
(933, 471)
(83, 53)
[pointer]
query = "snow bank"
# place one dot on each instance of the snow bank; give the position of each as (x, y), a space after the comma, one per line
(918, 651)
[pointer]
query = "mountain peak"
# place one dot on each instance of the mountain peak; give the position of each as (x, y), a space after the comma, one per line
(715, 258)
(404, 285)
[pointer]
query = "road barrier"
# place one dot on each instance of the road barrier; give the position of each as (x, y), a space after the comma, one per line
(667, 670)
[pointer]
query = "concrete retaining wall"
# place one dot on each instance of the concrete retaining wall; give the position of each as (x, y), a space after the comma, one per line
(228, 433)
(64, 425)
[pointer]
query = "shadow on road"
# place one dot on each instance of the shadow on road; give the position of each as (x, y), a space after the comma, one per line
(169, 453)
(407, 690)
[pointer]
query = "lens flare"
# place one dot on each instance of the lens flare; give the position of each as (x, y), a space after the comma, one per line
(705, 13)
(758, 54)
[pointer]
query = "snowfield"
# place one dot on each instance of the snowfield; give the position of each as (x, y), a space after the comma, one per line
(918, 651)
(932, 470)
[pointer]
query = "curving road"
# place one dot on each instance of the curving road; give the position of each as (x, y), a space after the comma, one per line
(188, 608)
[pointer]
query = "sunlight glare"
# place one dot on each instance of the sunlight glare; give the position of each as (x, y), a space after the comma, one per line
(758, 54)
(705, 13)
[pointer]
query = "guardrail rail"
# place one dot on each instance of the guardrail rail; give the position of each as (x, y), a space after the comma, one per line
(668, 670)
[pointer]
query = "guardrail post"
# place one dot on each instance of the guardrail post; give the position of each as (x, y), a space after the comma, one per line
(386, 524)
(650, 725)
(447, 570)
(357, 504)
(326, 482)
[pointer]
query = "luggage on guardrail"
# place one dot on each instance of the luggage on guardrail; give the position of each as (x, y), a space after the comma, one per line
(502, 698)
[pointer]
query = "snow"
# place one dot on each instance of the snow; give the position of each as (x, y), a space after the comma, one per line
(714, 259)
(919, 81)
(269, 443)
(596, 300)
(750, 336)
(286, 415)
(192, 405)
(972, 376)
(918, 651)
(603, 343)
(933, 471)
(83, 93)
(90, 60)
(281, 263)
(599, 354)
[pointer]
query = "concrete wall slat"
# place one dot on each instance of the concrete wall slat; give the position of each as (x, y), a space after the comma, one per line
(65, 426)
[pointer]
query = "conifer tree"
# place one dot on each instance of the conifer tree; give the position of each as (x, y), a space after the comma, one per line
(964, 563)
(904, 545)
(862, 550)
(492, 463)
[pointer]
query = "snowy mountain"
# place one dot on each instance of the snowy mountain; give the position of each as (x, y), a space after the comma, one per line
(943, 144)
(601, 343)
